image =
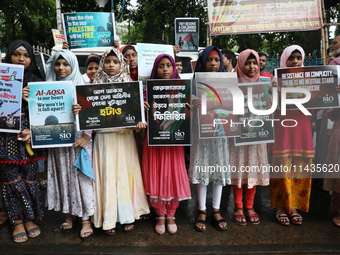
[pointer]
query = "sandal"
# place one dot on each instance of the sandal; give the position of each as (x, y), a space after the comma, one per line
(31, 231)
(172, 227)
(240, 219)
(21, 234)
(197, 228)
(218, 222)
(250, 216)
(160, 229)
(336, 220)
(69, 224)
(145, 216)
(3, 217)
(295, 217)
(280, 216)
(127, 229)
(87, 229)
(43, 184)
(109, 232)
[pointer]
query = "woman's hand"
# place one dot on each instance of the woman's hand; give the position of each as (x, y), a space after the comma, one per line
(116, 44)
(76, 109)
(188, 105)
(82, 142)
(146, 106)
(26, 93)
(197, 103)
(65, 46)
(24, 136)
(337, 88)
(140, 126)
(275, 85)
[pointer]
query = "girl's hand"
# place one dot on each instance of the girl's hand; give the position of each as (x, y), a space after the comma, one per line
(337, 88)
(197, 103)
(275, 85)
(65, 45)
(82, 142)
(140, 125)
(116, 44)
(146, 106)
(76, 109)
(24, 136)
(188, 105)
(26, 93)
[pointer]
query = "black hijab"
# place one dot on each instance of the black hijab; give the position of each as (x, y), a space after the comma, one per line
(202, 59)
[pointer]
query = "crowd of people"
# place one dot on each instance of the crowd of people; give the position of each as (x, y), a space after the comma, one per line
(129, 178)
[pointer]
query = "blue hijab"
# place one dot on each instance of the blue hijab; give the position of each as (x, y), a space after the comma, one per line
(202, 59)
(71, 59)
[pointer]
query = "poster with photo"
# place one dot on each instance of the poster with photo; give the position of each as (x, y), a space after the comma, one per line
(215, 118)
(256, 129)
(11, 78)
(320, 81)
(89, 29)
(169, 116)
(51, 117)
(58, 36)
(111, 105)
(187, 34)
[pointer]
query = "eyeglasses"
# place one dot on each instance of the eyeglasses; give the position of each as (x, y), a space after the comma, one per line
(334, 43)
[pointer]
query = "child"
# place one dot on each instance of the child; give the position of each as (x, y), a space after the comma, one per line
(20, 191)
(69, 190)
(164, 173)
(293, 147)
(119, 190)
(247, 69)
(209, 152)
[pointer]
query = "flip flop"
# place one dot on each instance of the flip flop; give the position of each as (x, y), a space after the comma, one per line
(294, 218)
(280, 216)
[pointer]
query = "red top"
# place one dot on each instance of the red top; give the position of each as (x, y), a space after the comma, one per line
(267, 75)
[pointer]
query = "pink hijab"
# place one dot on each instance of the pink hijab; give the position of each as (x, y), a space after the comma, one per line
(241, 62)
(288, 51)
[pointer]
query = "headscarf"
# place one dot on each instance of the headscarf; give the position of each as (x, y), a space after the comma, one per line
(133, 73)
(241, 62)
(154, 74)
(32, 69)
(75, 76)
(202, 59)
(123, 74)
(288, 51)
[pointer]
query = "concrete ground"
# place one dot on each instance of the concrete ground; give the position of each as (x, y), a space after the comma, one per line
(317, 235)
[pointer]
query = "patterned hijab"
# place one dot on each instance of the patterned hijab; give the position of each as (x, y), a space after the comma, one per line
(287, 52)
(202, 59)
(241, 62)
(71, 59)
(154, 74)
(123, 74)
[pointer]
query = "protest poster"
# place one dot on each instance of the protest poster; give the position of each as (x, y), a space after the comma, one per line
(259, 16)
(58, 36)
(187, 34)
(11, 78)
(169, 116)
(147, 53)
(321, 81)
(51, 117)
(89, 29)
(215, 117)
(256, 129)
(111, 105)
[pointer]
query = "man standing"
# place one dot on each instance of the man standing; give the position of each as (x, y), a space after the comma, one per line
(229, 60)
(263, 63)
(335, 51)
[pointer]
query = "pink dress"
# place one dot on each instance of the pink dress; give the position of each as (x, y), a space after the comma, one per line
(164, 173)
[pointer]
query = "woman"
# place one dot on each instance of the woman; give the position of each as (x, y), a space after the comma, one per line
(20, 192)
(164, 173)
(254, 155)
(209, 152)
(294, 146)
(68, 189)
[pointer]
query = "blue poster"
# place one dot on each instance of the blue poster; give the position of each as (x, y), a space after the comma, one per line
(11, 77)
(89, 29)
(51, 117)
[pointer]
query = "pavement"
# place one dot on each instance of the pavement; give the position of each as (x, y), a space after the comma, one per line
(317, 235)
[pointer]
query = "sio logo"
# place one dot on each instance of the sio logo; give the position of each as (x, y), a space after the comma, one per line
(179, 135)
(328, 99)
(263, 133)
(65, 136)
(130, 119)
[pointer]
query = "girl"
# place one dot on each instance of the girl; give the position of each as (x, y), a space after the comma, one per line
(164, 173)
(209, 152)
(129, 52)
(119, 190)
(294, 146)
(69, 190)
(20, 191)
(92, 65)
(247, 69)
